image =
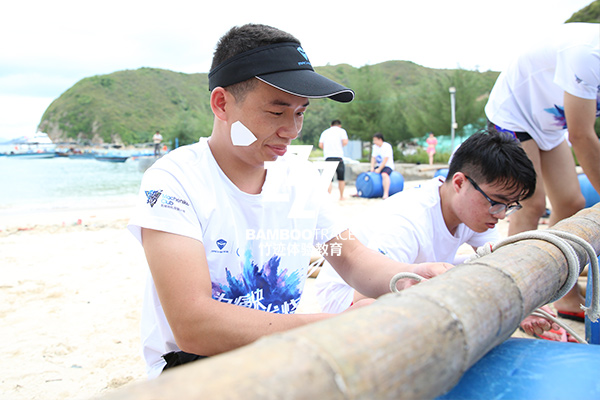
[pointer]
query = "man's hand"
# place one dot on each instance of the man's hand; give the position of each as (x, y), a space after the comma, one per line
(426, 270)
(360, 303)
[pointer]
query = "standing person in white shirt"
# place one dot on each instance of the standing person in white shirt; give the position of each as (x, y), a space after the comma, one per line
(382, 161)
(549, 90)
(332, 141)
(157, 139)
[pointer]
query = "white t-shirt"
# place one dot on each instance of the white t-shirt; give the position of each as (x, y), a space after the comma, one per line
(258, 247)
(529, 95)
(332, 141)
(381, 152)
(407, 227)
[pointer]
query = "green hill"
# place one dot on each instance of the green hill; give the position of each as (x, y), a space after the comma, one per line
(590, 13)
(129, 106)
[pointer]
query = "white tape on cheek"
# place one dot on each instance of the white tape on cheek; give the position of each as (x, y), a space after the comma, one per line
(240, 135)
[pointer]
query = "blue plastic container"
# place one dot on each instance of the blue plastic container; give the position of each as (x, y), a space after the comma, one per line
(592, 329)
(591, 196)
(368, 184)
(532, 369)
(441, 172)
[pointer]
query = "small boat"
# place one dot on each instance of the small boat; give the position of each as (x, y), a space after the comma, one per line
(32, 155)
(86, 154)
(38, 145)
(111, 158)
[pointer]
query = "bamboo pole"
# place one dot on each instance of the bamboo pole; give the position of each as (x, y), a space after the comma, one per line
(414, 345)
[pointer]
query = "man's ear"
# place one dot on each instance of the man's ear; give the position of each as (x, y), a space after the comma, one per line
(458, 181)
(218, 101)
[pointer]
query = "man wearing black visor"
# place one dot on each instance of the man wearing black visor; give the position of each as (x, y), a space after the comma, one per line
(228, 224)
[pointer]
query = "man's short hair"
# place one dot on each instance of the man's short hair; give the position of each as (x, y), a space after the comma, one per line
(240, 39)
(247, 37)
(274, 57)
(378, 136)
(336, 122)
(493, 157)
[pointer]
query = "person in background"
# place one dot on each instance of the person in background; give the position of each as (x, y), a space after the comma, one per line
(549, 90)
(332, 141)
(228, 224)
(382, 161)
(157, 139)
(431, 143)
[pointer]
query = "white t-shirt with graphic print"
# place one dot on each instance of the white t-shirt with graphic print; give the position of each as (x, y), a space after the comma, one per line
(529, 95)
(381, 152)
(407, 227)
(258, 247)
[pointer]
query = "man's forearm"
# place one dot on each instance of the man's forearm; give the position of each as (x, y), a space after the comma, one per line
(366, 270)
(220, 327)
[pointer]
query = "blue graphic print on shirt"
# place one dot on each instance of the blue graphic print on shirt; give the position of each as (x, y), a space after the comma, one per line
(559, 116)
(266, 288)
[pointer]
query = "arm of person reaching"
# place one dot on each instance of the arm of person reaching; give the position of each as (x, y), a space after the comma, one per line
(581, 115)
(369, 271)
(200, 324)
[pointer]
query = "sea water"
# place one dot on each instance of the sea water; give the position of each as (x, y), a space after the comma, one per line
(63, 183)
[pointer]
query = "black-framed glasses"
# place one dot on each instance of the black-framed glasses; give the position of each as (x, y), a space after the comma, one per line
(496, 207)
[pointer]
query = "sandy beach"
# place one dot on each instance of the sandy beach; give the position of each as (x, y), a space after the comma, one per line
(70, 299)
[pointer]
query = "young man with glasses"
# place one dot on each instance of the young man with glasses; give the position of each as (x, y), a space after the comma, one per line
(488, 176)
(496, 207)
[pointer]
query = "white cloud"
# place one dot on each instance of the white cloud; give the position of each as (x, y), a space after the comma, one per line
(49, 46)
(25, 114)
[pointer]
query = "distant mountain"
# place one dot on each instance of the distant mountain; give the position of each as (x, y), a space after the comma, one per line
(590, 13)
(125, 106)
(129, 106)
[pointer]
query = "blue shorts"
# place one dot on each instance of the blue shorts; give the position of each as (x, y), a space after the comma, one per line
(520, 136)
(386, 170)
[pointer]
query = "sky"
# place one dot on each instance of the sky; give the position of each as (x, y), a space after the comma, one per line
(48, 46)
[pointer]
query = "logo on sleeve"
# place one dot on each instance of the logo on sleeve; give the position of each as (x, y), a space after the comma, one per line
(157, 197)
(152, 196)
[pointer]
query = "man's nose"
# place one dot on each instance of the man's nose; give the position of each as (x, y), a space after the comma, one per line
(291, 129)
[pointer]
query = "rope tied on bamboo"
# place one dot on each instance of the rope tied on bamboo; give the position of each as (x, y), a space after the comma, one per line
(557, 238)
